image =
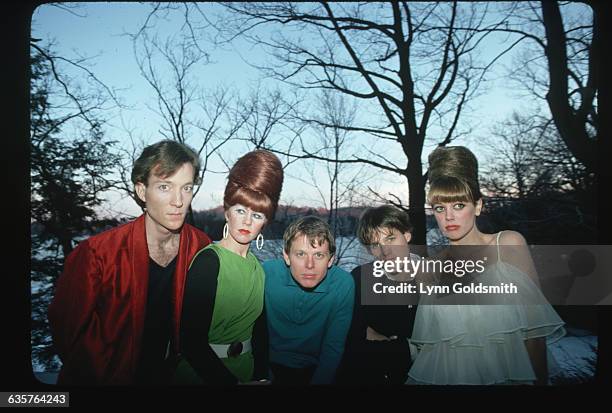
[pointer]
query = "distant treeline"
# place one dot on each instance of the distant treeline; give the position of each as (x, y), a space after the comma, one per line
(211, 221)
(541, 220)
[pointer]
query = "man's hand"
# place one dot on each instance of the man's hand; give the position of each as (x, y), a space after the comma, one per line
(374, 335)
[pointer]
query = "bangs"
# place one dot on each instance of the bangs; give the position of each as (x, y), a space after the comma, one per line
(449, 189)
(376, 233)
(255, 200)
(381, 221)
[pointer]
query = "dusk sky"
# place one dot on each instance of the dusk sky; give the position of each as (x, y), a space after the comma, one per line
(99, 31)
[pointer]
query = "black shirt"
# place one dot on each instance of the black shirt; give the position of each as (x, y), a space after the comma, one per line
(158, 323)
(376, 362)
(389, 320)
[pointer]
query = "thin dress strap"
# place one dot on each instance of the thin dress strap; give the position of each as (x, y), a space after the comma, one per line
(497, 242)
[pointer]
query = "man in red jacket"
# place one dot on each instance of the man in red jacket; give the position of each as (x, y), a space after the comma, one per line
(117, 305)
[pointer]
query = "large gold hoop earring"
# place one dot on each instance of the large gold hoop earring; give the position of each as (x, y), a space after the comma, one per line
(225, 230)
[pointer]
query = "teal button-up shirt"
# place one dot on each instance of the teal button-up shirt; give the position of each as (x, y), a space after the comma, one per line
(308, 327)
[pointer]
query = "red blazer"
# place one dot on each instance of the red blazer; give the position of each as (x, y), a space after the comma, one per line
(97, 313)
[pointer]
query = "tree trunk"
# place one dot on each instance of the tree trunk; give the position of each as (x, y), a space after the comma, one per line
(189, 219)
(66, 242)
(416, 204)
(570, 125)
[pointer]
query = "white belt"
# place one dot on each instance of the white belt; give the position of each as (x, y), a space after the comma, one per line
(222, 349)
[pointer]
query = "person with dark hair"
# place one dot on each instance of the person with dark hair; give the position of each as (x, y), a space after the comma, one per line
(115, 315)
(309, 302)
(224, 291)
(480, 344)
(377, 349)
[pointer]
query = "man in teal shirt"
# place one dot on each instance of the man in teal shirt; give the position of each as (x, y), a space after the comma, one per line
(309, 305)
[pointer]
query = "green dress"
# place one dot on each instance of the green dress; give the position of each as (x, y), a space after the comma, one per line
(238, 303)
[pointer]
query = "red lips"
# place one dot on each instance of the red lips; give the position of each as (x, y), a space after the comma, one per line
(451, 227)
(244, 231)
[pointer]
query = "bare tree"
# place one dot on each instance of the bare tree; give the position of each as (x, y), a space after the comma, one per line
(268, 110)
(531, 182)
(405, 62)
(213, 117)
(338, 186)
(573, 88)
(560, 65)
(204, 118)
(174, 90)
(530, 158)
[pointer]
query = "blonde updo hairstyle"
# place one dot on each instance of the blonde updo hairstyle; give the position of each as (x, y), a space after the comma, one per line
(453, 176)
(255, 181)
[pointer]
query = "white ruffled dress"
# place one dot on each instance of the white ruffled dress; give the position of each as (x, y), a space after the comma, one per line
(482, 344)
